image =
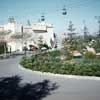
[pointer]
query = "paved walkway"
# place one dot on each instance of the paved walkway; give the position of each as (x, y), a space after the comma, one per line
(69, 88)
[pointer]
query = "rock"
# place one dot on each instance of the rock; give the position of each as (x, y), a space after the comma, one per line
(76, 54)
(90, 49)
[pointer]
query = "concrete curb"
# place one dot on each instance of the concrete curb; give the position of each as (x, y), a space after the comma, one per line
(61, 76)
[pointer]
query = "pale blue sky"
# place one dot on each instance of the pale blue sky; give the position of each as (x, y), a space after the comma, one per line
(78, 10)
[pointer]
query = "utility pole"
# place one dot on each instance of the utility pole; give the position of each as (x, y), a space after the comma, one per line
(98, 21)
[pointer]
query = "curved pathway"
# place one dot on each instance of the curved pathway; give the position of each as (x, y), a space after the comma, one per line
(69, 88)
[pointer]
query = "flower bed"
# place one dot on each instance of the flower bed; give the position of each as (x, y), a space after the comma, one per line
(52, 62)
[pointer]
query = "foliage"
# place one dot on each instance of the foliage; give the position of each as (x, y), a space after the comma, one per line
(51, 62)
(2, 48)
(66, 52)
(27, 62)
(40, 42)
(71, 27)
(42, 45)
(93, 41)
(45, 46)
(96, 44)
(3, 40)
(54, 53)
(89, 55)
(72, 42)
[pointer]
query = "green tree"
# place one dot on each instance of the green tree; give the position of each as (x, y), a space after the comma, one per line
(96, 43)
(40, 42)
(71, 41)
(4, 40)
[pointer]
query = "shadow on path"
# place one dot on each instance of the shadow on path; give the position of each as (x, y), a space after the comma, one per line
(12, 89)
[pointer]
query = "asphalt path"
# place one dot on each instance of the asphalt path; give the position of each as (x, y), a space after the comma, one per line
(69, 88)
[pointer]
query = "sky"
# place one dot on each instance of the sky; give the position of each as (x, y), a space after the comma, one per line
(77, 12)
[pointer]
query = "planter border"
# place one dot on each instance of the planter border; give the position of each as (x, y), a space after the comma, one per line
(61, 75)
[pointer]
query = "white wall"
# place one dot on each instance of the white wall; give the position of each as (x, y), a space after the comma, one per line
(43, 29)
(14, 46)
(46, 35)
(10, 26)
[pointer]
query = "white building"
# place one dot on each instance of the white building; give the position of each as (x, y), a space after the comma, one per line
(43, 30)
(25, 35)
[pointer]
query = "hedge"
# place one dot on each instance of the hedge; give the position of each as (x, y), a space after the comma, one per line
(51, 62)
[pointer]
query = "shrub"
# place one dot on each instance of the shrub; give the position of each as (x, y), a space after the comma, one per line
(2, 50)
(26, 62)
(54, 53)
(50, 62)
(89, 55)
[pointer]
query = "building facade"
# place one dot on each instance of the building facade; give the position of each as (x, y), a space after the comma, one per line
(25, 35)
